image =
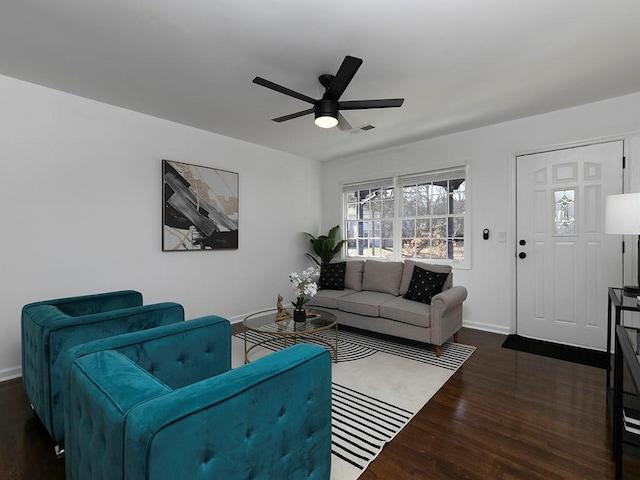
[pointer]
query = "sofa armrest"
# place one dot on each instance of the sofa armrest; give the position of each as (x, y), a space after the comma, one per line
(282, 400)
(102, 388)
(446, 313)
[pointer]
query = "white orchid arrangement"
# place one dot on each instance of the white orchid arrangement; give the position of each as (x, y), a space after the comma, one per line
(304, 286)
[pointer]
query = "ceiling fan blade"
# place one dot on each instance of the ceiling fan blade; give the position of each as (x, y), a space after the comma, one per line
(343, 125)
(347, 70)
(281, 89)
(291, 116)
(364, 104)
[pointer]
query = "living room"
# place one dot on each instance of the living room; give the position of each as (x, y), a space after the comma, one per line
(83, 189)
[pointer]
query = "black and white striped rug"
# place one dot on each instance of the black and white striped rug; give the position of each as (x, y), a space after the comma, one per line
(379, 384)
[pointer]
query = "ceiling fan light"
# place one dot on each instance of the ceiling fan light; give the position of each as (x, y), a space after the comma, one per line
(326, 113)
(326, 121)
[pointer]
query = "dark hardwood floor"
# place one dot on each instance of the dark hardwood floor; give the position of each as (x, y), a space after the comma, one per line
(503, 415)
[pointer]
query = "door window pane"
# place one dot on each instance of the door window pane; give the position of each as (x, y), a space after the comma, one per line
(565, 223)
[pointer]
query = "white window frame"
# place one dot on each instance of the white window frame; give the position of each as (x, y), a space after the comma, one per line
(398, 181)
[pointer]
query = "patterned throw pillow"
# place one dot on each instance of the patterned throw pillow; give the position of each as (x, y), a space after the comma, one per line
(332, 276)
(424, 285)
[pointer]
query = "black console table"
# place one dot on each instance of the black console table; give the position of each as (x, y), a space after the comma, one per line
(620, 303)
(626, 418)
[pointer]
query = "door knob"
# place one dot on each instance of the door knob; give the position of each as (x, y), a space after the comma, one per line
(523, 242)
(522, 255)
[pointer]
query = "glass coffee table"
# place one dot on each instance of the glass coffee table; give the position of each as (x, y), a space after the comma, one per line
(261, 329)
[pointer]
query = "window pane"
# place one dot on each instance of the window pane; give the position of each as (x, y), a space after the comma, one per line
(408, 247)
(423, 227)
(352, 230)
(376, 208)
(439, 248)
(439, 204)
(459, 204)
(408, 201)
(458, 249)
(439, 228)
(387, 228)
(565, 212)
(376, 229)
(408, 228)
(458, 227)
(423, 248)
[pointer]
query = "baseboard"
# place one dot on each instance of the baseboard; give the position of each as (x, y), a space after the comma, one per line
(486, 327)
(10, 373)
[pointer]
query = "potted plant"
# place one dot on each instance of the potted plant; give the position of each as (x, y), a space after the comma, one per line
(304, 288)
(325, 246)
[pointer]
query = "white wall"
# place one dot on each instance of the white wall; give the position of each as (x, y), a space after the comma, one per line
(81, 211)
(490, 153)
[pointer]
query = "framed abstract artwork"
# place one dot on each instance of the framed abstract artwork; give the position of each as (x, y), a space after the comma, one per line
(200, 208)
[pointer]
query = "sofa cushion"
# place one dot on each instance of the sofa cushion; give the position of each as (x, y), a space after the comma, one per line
(407, 273)
(407, 311)
(328, 298)
(353, 275)
(363, 303)
(332, 276)
(424, 285)
(382, 277)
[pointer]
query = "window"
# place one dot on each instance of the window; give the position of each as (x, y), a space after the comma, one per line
(369, 219)
(427, 221)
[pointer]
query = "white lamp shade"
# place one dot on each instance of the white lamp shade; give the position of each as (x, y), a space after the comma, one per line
(622, 214)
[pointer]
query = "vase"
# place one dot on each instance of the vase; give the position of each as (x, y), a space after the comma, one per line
(300, 315)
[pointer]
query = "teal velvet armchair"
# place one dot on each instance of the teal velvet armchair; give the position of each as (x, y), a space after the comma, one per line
(51, 327)
(165, 404)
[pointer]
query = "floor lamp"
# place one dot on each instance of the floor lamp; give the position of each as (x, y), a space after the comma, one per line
(622, 217)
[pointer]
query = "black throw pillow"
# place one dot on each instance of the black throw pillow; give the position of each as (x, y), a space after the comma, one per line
(424, 285)
(332, 276)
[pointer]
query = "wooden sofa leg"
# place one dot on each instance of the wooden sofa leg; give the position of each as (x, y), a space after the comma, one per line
(455, 337)
(437, 350)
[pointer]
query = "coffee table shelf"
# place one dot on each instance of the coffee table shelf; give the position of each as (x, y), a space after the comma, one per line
(288, 332)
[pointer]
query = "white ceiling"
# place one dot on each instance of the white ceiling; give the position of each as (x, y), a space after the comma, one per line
(459, 64)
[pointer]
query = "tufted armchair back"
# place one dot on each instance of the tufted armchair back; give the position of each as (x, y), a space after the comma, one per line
(194, 417)
(50, 328)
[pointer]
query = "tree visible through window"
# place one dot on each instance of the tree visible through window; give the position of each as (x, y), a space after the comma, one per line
(427, 222)
(433, 219)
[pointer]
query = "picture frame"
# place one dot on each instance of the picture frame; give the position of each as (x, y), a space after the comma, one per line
(200, 208)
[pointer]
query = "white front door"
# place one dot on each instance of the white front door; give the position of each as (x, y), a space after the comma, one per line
(565, 260)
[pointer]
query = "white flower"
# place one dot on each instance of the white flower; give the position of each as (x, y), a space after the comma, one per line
(303, 286)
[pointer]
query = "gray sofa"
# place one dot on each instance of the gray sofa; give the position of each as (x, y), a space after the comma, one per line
(372, 299)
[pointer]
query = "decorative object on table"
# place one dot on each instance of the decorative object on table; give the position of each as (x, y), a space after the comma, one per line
(325, 246)
(283, 313)
(622, 217)
(200, 209)
(305, 288)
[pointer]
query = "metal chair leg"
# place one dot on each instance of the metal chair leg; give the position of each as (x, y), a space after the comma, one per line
(59, 449)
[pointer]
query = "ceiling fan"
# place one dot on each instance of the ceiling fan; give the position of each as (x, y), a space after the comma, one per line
(327, 109)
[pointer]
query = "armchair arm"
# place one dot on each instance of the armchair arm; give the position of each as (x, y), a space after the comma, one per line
(102, 388)
(446, 313)
(281, 403)
(47, 334)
